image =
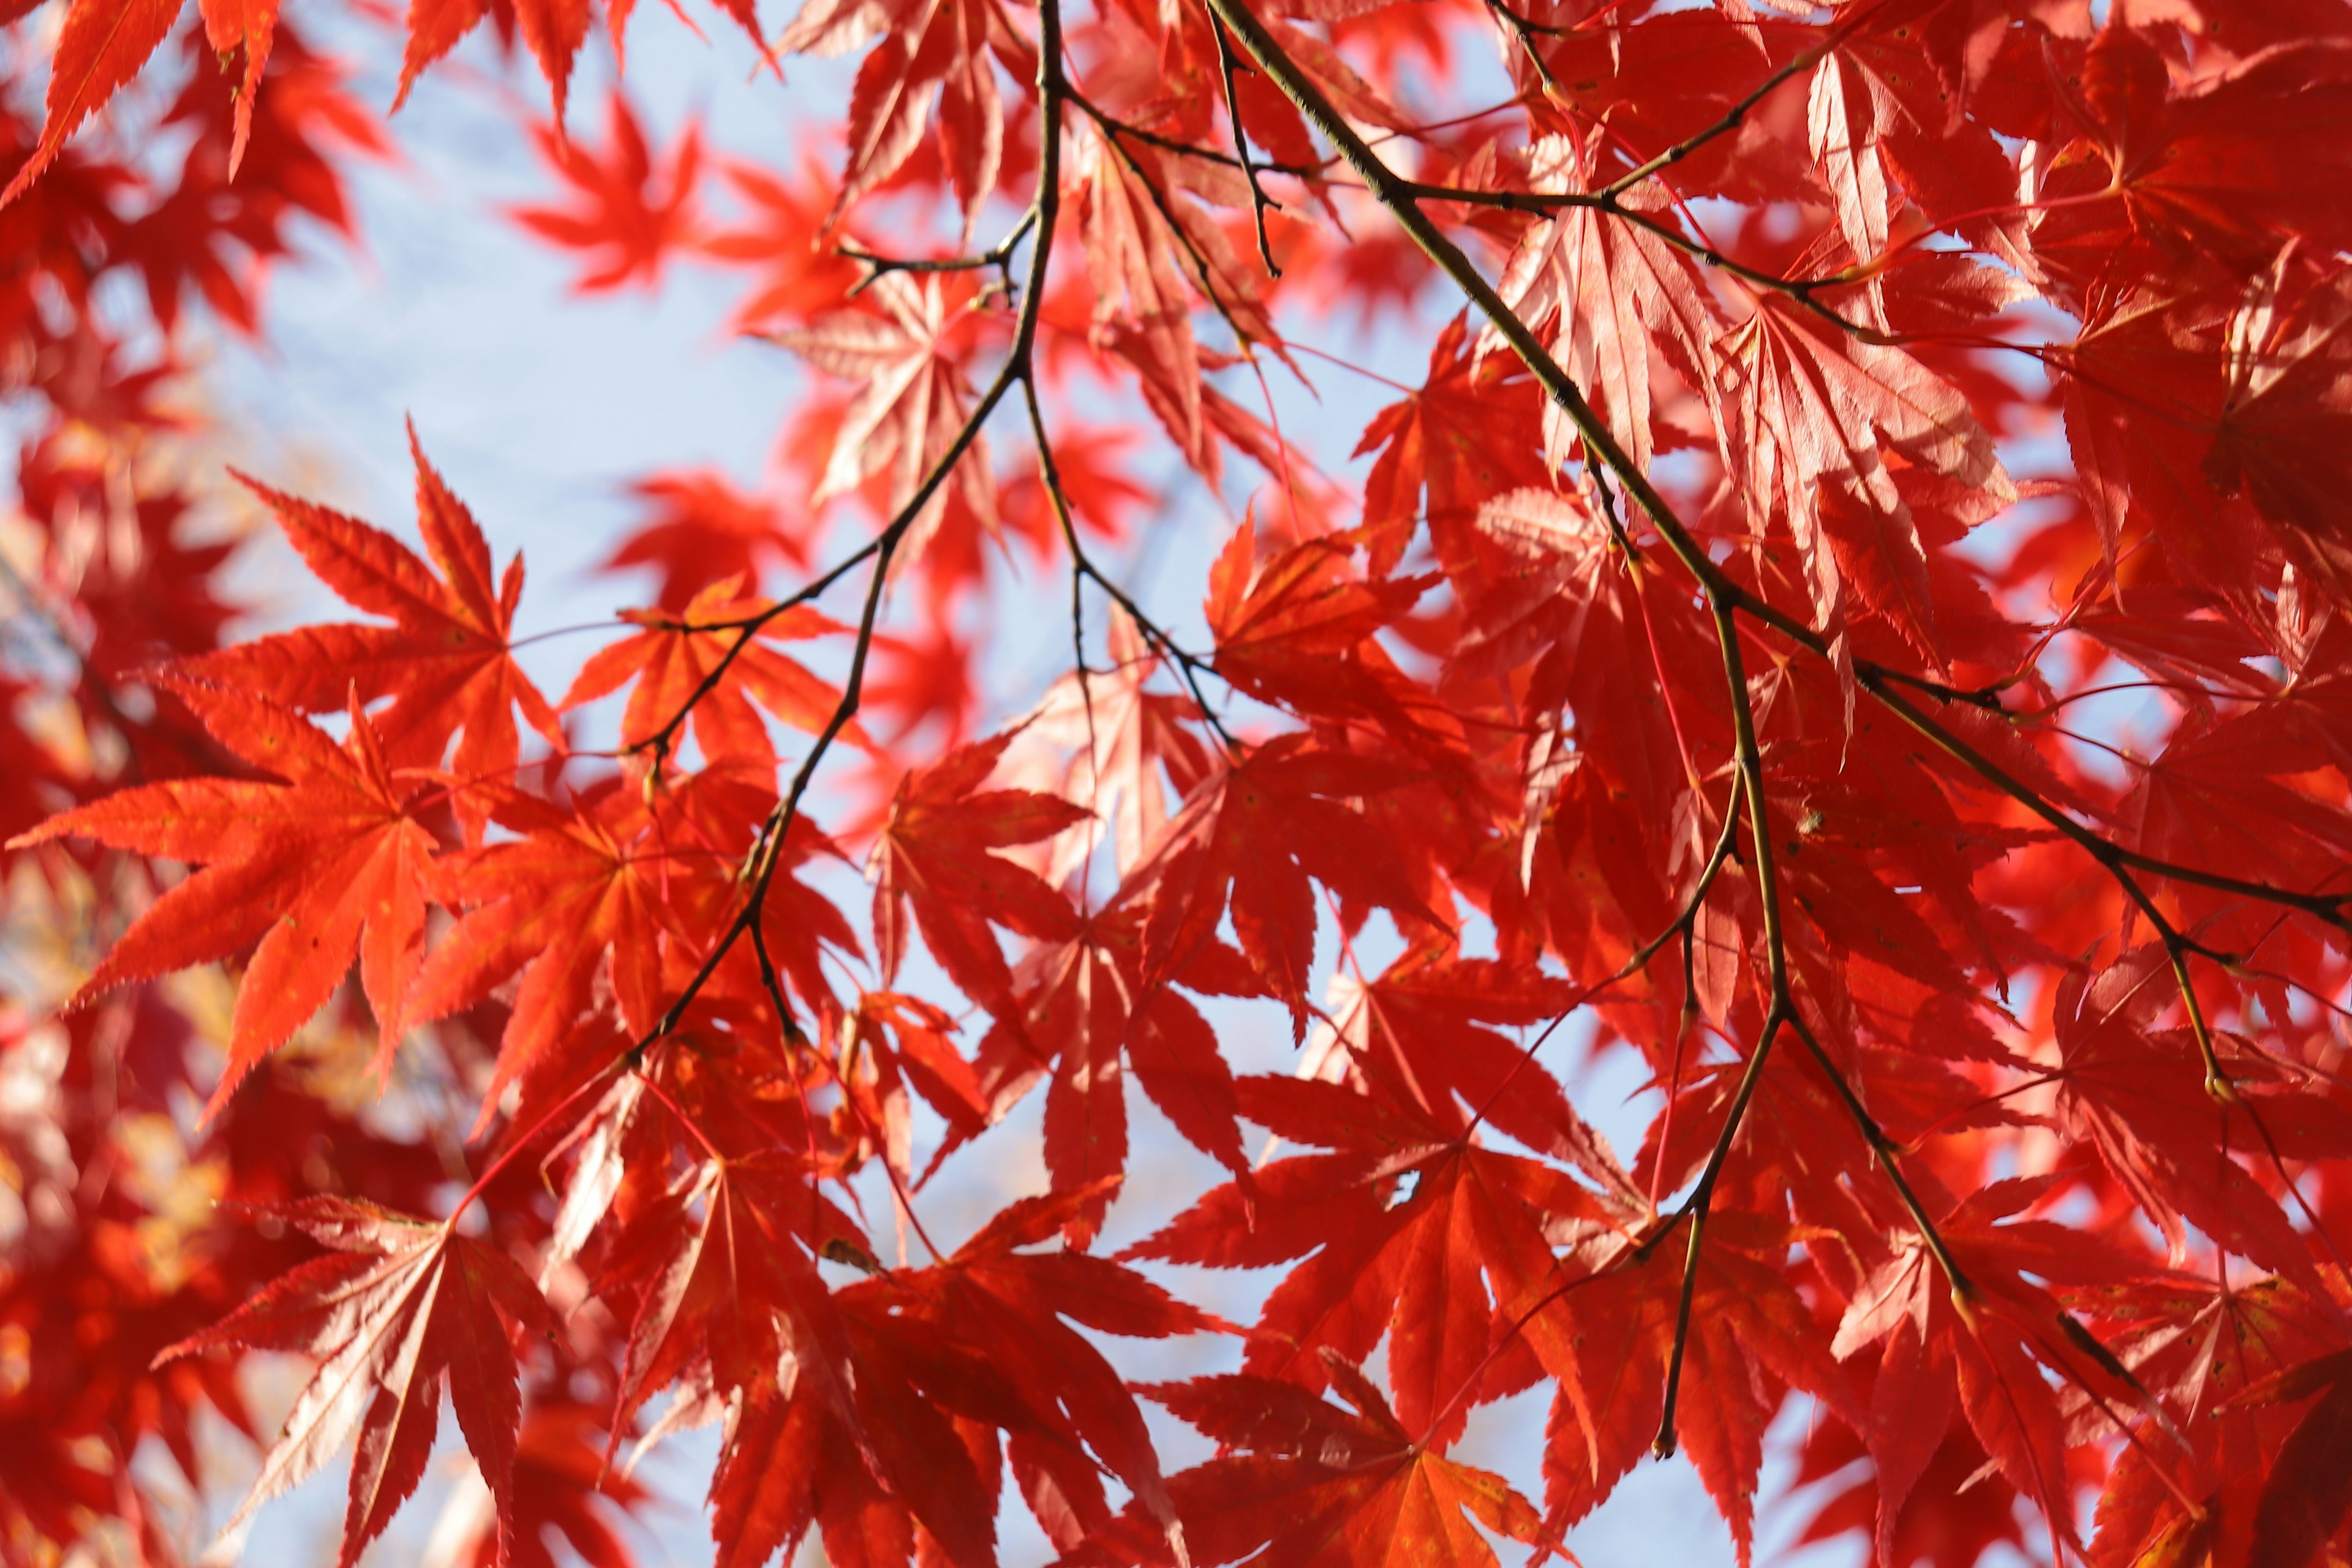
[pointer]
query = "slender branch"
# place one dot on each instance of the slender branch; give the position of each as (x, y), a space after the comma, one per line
(1397, 193)
(1189, 666)
(1638, 961)
(1259, 200)
(1697, 1206)
(1115, 126)
(1883, 1149)
(1732, 119)
(767, 852)
(1686, 1022)
(664, 741)
(1781, 1010)
(1524, 24)
(1801, 290)
(1163, 204)
(1049, 475)
(1524, 31)
(1876, 680)
(880, 267)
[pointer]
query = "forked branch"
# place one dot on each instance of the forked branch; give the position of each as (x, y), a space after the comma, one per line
(1401, 199)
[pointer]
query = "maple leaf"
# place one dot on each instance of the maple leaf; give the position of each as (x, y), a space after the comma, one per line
(555, 30)
(559, 1475)
(2139, 1096)
(1021, 1306)
(1087, 1018)
(1136, 216)
(103, 44)
(398, 1311)
(2286, 406)
(801, 278)
(1471, 431)
(890, 1042)
(573, 901)
(231, 25)
(933, 854)
(1664, 80)
(727, 1297)
(1103, 742)
(701, 530)
(1847, 112)
(445, 661)
(787, 1462)
(930, 54)
(256, 160)
(1137, 290)
(1409, 1266)
(2231, 1363)
(1803, 421)
(1412, 1031)
(1989, 1344)
(617, 211)
(708, 660)
(1612, 289)
(864, 1452)
(328, 865)
(2307, 1493)
(1319, 1484)
(1957, 1512)
(1298, 629)
(1750, 1336)
(923, 682)
(912, 402)
(2246, 380)
(2202, 176)
(1251, 835)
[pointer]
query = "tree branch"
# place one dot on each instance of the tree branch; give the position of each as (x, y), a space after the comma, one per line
(767, 850)
(1398, 195)
(879, 267)
(1259, 200)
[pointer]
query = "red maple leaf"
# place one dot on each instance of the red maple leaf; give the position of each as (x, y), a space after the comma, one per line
(702, 530)
(330, 864)
(709, 660)
(913, 395)
(627, 225)
(445, 661)
(399, 1311)
(580, 896)
(1256, 831)
(934, 855)
(1319, 1484)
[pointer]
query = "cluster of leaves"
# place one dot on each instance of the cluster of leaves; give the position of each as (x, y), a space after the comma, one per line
(1856, 617)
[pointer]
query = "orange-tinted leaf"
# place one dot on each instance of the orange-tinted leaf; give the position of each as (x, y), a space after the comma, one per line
(328, 866)
(443, 661)
(103, 44)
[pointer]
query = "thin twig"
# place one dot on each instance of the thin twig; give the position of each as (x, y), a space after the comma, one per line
(1524, 31)
(1397, 194)
(1259, 200)
(879, 267)
(1732, 119)
(760, 865)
